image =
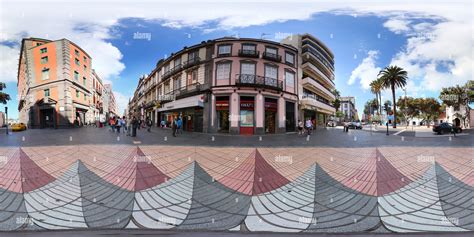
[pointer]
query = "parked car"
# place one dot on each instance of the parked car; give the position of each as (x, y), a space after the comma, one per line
(443, 128)
(17, 127)
(354, 125)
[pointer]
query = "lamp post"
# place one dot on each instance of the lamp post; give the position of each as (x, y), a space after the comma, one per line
(386, 110)
(6, 117)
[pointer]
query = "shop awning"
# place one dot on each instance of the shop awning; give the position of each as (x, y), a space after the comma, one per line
(193, 101)
(79, 106)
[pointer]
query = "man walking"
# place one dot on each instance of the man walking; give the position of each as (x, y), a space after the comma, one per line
(174, 126)
(148, 124)
(309, 126)
(134, 126)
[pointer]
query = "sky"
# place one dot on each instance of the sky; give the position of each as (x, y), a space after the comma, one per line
(432, 40)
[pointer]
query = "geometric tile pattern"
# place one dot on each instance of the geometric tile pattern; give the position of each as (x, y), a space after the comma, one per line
(386, 189)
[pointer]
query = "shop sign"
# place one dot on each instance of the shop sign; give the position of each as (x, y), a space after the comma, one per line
(246, 104)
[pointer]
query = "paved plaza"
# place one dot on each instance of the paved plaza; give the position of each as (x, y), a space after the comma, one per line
(330, 182)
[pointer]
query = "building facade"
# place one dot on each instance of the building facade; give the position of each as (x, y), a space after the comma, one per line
(54, 84)
(348, 108)
(229, 85)
(109, 103)
(316, 76)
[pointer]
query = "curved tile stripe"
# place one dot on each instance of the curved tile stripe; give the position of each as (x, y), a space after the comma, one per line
(340, 209)
(286, 209)
(457, 199)
(355, 192)
(416, 207)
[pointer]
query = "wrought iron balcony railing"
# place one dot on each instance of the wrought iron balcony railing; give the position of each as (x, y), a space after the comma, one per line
(271, 56)
(258, 81)
(249, 53)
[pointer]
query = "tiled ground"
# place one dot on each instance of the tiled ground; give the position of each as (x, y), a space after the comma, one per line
(285, 189)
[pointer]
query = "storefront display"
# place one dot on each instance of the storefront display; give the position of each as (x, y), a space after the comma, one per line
(222, 109)
(271, 107)
(247, 119)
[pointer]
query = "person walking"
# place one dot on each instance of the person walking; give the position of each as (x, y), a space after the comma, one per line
(308, 126)
(134, 126)
(118, 124)
(148, 124)
(174, 126)
(112, 124)
(300, 127)
(128, 126)
(179, 124)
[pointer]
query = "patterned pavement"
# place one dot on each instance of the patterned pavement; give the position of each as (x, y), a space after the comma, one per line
(286, 189)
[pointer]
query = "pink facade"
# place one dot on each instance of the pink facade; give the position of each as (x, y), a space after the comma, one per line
(271, 94)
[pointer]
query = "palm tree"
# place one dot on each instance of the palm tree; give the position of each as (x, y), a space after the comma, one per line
(394, 77)
(4, 97)
(376, 87)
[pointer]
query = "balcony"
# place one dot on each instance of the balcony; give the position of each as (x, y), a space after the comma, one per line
(249, 53)
(271, 57)
(192, 89)
(258, 81)
(318, 86)
(310, 68)
(313, 102)
(179, 67)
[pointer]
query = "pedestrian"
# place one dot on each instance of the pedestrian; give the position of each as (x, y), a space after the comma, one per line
(139, 124)
(179, 124)
(163, 123)
(129, 126)
(308, 126)
(123, 123)
(148, 124)
(174, 125)
(134, 126)
(118, 124)
(300, 127)
(112, 124)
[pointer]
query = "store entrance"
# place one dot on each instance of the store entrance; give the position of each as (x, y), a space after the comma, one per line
(270, 115)
(222, 111)
(247, 115)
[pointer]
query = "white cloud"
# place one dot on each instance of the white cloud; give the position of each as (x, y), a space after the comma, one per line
(121, 100)
(366, 71)
(89, 23)
(397, 25)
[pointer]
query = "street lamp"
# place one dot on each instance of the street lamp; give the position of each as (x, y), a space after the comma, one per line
(6, 117)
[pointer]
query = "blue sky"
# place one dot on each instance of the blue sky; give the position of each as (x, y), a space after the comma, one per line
(363, 42)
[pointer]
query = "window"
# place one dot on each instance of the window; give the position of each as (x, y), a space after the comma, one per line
(289, 58)
(85, 97)
(224, 49)
(44, 59)
(38, 44)
(177, 83)
(84, 80)
(192, 56)
(77, 93)
(76, 75)
(85, 59)
(44, 50)
(271, 71)
(46, 93)
(77, 62)
(247, 68)
(270, 50)
(223, 71)
(45, 74)
(248, 47)
(177, 62)
(76, 52)
(290, 79)
(85, 68)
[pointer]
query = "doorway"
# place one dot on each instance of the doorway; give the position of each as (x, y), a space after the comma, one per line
(47, 118)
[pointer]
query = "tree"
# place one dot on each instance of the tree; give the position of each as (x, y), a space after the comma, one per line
(336, 102)
(459, 97)
(394, 77)
(429, 110)
(4, 97)
(376, 87)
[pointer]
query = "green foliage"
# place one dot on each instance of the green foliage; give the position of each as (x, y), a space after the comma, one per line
(393, 77)
(4, 97)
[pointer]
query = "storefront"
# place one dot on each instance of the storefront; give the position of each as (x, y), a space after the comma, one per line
(271, 107)
(247, 118)
(189, 110)
(222, 112)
